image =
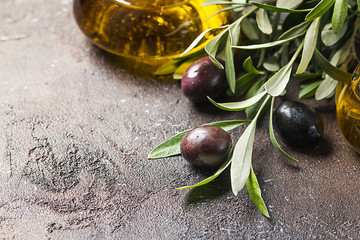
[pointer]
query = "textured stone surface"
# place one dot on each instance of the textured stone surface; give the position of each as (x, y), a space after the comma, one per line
(75, 131)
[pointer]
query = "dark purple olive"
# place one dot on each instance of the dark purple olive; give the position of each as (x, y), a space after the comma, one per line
(203, 78)
(298, 124)
(206, 146)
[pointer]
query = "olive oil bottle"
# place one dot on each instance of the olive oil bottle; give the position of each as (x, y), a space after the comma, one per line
(348, 111)
(146, 31)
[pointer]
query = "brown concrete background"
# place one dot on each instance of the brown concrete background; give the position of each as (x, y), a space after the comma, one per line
(75, 130)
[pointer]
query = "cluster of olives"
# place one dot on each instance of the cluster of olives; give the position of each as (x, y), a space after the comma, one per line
(205, 146)
(209, 146)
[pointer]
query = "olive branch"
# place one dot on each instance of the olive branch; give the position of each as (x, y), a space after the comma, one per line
(278, 35)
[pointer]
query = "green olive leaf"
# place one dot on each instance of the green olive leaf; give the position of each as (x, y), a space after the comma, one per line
(235, 31)
(330, 69)
(225, 9)
(328, 85)
(276, 85)
(198, 39)
(249, 67)
(271, 64)
(295, 31)
(308, 90)
(238, 106)
(254, 190)
(267, 45)
(213, 45)
(328, 36)
(306, 76)
(326, 89)
(277, 9)
(339, 15)
(309, 45)
(272, 134)
(249, 30)
(229, 64)
(242, 155)
(171, 146)
(241, 158)
(263, 21)
(319, 9)
(243, 83)
(288, 4)
(252, 111)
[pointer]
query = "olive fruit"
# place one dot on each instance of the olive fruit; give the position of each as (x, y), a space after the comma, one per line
(298, 124)
(206, 146)
(203, 78)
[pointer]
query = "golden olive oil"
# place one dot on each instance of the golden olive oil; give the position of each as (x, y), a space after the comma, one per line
(148, 31)
(348, 111)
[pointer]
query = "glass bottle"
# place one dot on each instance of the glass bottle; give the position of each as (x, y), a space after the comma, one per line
(146, 31)
(348, 110)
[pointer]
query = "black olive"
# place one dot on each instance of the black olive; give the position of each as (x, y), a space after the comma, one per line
(298, 124)
(206, 146)
(203, 78)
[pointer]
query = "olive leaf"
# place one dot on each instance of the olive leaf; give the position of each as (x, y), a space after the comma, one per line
(171, 146)
(243, 83)
(255, 89)
(328, 85)
(242, 155)
(238, 106)
(229, 64)
(263, 21)
(249, 67)
(272, 134)
(328, 36)
(254, 190)
(319, 9)
(199, 38)
(339, 15)
(249, 30)
(288, 4)
(266, 45)
(326, 89)
(309, 45)
(306, 76)
(241, 158)
(224, 10)
(278, 82)
(277, 9)
(295, 31)
(271, 64)
(329, 69)
(308, 90)
(213, 45)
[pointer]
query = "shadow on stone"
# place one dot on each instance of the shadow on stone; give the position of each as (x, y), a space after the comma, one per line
(323, 148)
(211, 190)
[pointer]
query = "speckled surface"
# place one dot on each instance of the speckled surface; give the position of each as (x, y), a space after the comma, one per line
(75, 131)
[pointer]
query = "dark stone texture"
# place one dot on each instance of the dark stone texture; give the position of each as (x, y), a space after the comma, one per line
(76, 128)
